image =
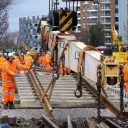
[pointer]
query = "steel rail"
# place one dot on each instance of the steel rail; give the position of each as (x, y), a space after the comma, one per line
(49, 122)
(69, 122)
(104, 100)
(43, 98)
(112, 124)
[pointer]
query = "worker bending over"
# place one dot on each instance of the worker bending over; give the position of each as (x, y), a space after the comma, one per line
(42, 61)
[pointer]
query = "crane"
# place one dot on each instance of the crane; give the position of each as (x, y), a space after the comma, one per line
(116, 40)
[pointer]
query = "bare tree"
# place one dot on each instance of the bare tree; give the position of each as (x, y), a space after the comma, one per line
(4, 6)
(3, 24)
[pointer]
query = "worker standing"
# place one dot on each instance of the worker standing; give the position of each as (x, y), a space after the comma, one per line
(8, 82)
(125, 70)
(21, 58)
(48, 61)
(28, 61)
(42, 60)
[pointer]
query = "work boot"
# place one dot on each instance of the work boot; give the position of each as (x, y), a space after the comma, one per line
(11, 105)
(5, 106)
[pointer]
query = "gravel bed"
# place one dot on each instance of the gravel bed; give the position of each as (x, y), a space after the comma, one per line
(58, 113)
(31, 118)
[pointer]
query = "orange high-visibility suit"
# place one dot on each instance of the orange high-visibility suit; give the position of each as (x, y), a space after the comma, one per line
(2, 60)
(28, 60)
(125, 70)
(42, 61)
(17, 61)
(48, 62)
(63, 70)
(21, 58)
(8, 81)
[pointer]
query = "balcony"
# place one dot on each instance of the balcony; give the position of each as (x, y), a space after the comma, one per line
(105, 1)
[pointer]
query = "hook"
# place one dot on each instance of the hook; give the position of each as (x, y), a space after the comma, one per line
(80, 93)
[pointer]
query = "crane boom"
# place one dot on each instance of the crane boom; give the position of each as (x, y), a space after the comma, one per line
(116, 40)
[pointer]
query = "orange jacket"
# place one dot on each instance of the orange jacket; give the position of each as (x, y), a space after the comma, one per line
(8, 74)
(125, 70)
(28, 60)
(48, 58)
(42, 60)
(2, 60)
(19, 65)
(17, 61)
(21, 58)
(39, 60)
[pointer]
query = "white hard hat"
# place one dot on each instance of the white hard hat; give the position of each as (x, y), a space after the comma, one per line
(102, 52)
(49, 53)
(13, 53)
(10, 54)
(28, 53)
(5, 54)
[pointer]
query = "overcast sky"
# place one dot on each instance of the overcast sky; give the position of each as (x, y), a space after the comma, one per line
(26, 8)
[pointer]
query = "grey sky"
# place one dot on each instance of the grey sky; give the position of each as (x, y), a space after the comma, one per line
(26, 8)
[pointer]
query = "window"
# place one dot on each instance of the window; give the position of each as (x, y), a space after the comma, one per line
(116, 19)
(116, 2)
(117, 27)
(78, 28)
(95, 7)
(116, 10)
(94, 14)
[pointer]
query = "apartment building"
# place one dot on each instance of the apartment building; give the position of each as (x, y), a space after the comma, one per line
(28, 30)
(109, 13)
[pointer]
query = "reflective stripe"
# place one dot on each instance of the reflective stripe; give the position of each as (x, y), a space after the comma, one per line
(5, 92)
(8, 81)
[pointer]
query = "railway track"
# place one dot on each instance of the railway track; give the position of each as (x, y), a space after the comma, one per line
(63, 92)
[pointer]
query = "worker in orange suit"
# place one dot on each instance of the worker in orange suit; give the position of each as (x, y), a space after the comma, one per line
(8, 82)
(2, 60)
(17, 61)
(61, 68)
(21, 58)
(42, 60)
(48, 61)
(125, 70)
(28, 61)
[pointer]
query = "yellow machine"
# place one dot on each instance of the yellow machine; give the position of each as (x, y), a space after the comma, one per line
(119, 54)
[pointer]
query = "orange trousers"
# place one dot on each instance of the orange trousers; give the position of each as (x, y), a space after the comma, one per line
(63, 70)
(8, 94)
(48, 67)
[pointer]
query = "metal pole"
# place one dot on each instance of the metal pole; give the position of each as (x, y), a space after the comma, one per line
(73, 5)
(52, 5)
(66, 4)
(49, 6)
(69, 4)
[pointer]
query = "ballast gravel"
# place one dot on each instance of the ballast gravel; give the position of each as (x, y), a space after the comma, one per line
(58, 113)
